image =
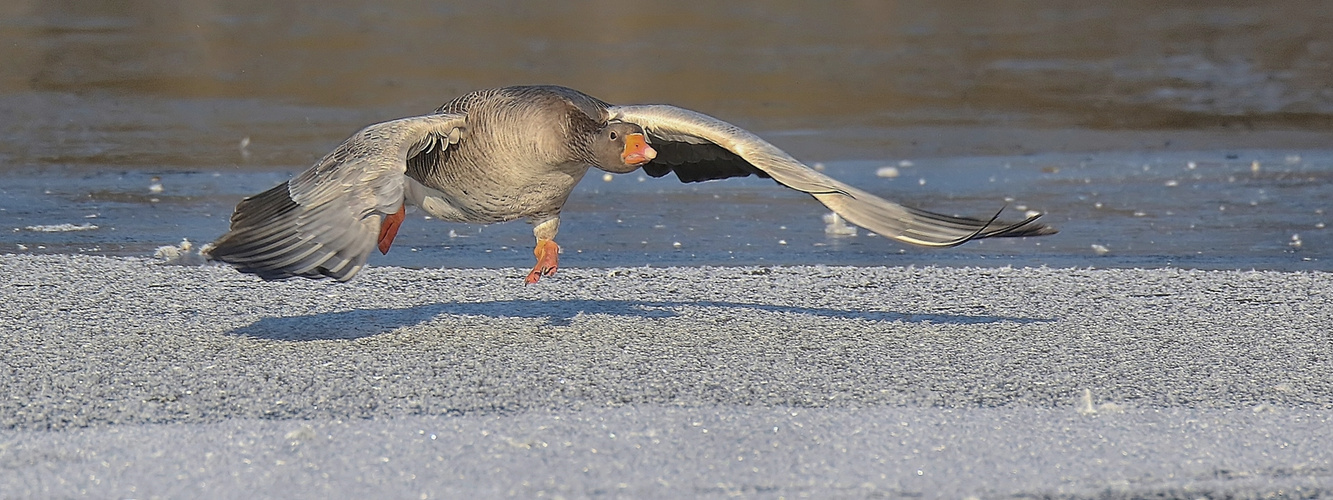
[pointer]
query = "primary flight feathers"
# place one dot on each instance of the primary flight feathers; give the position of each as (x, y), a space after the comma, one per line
(517, 152)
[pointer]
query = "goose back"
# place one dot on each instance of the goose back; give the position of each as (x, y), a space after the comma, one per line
(523, 150)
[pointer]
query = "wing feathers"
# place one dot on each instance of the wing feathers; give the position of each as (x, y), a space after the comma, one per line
(673, 128)
(325, 221)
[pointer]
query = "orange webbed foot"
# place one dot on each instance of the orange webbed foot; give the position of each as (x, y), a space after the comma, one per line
(548, 258)
(389, 229)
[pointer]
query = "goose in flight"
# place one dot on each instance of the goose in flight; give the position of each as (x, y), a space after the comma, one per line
(511, 153)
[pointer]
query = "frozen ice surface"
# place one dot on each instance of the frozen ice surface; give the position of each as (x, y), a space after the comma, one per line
(1219, 215)
(664, 382)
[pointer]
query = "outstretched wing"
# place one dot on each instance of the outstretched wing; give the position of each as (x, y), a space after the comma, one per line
(325, 221)
(699, 147)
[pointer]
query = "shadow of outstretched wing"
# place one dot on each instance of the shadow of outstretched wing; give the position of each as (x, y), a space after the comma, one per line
(348, 325)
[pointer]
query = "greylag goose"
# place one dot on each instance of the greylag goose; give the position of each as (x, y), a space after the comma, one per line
(516, 152)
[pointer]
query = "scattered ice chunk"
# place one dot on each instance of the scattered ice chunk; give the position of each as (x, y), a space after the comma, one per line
(182, 255)
(22, 246)
(607, 177)
(304, 433)
(819, 167)
(675, 244)
(155, 184)
(1100, 249)
(1031, 213)
(834, 226)
(1191, 165)
(61, 228)
(887, 172)
(1172, 183)
(453, 234)
(173, 251)
(782, 242)
(905, 163)
(1085, 403)
(1295, 241)
(1319, 225)
(1254, 166)
(921, 181)
(1085, 406)
(1109, 407)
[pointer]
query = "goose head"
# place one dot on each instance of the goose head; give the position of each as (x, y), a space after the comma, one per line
(621, 147)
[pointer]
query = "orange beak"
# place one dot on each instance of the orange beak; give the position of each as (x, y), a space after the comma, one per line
(637, 151)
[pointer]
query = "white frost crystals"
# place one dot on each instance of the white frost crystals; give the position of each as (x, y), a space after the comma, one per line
(61, 228)
(181, 255)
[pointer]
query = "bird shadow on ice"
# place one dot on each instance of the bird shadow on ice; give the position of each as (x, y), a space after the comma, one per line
(348, 325)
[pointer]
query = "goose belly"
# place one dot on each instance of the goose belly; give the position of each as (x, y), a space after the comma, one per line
(487, 203)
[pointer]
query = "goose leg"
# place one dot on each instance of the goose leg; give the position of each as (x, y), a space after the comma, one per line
(547, 252)
(389, 229)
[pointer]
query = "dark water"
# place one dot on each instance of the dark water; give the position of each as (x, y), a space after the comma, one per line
(1091, 114)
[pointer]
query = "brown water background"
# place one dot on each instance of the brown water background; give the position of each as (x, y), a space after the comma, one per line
(1091, 112)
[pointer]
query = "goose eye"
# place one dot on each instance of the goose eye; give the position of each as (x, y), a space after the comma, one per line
(614, 135)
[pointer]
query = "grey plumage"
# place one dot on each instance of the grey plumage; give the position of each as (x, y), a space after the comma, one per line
(692, 130)
(323, 222)
(517, 152)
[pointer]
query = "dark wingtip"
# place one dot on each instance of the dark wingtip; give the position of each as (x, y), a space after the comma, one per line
(978, 234)
(1026, 227)
(1035, 230)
